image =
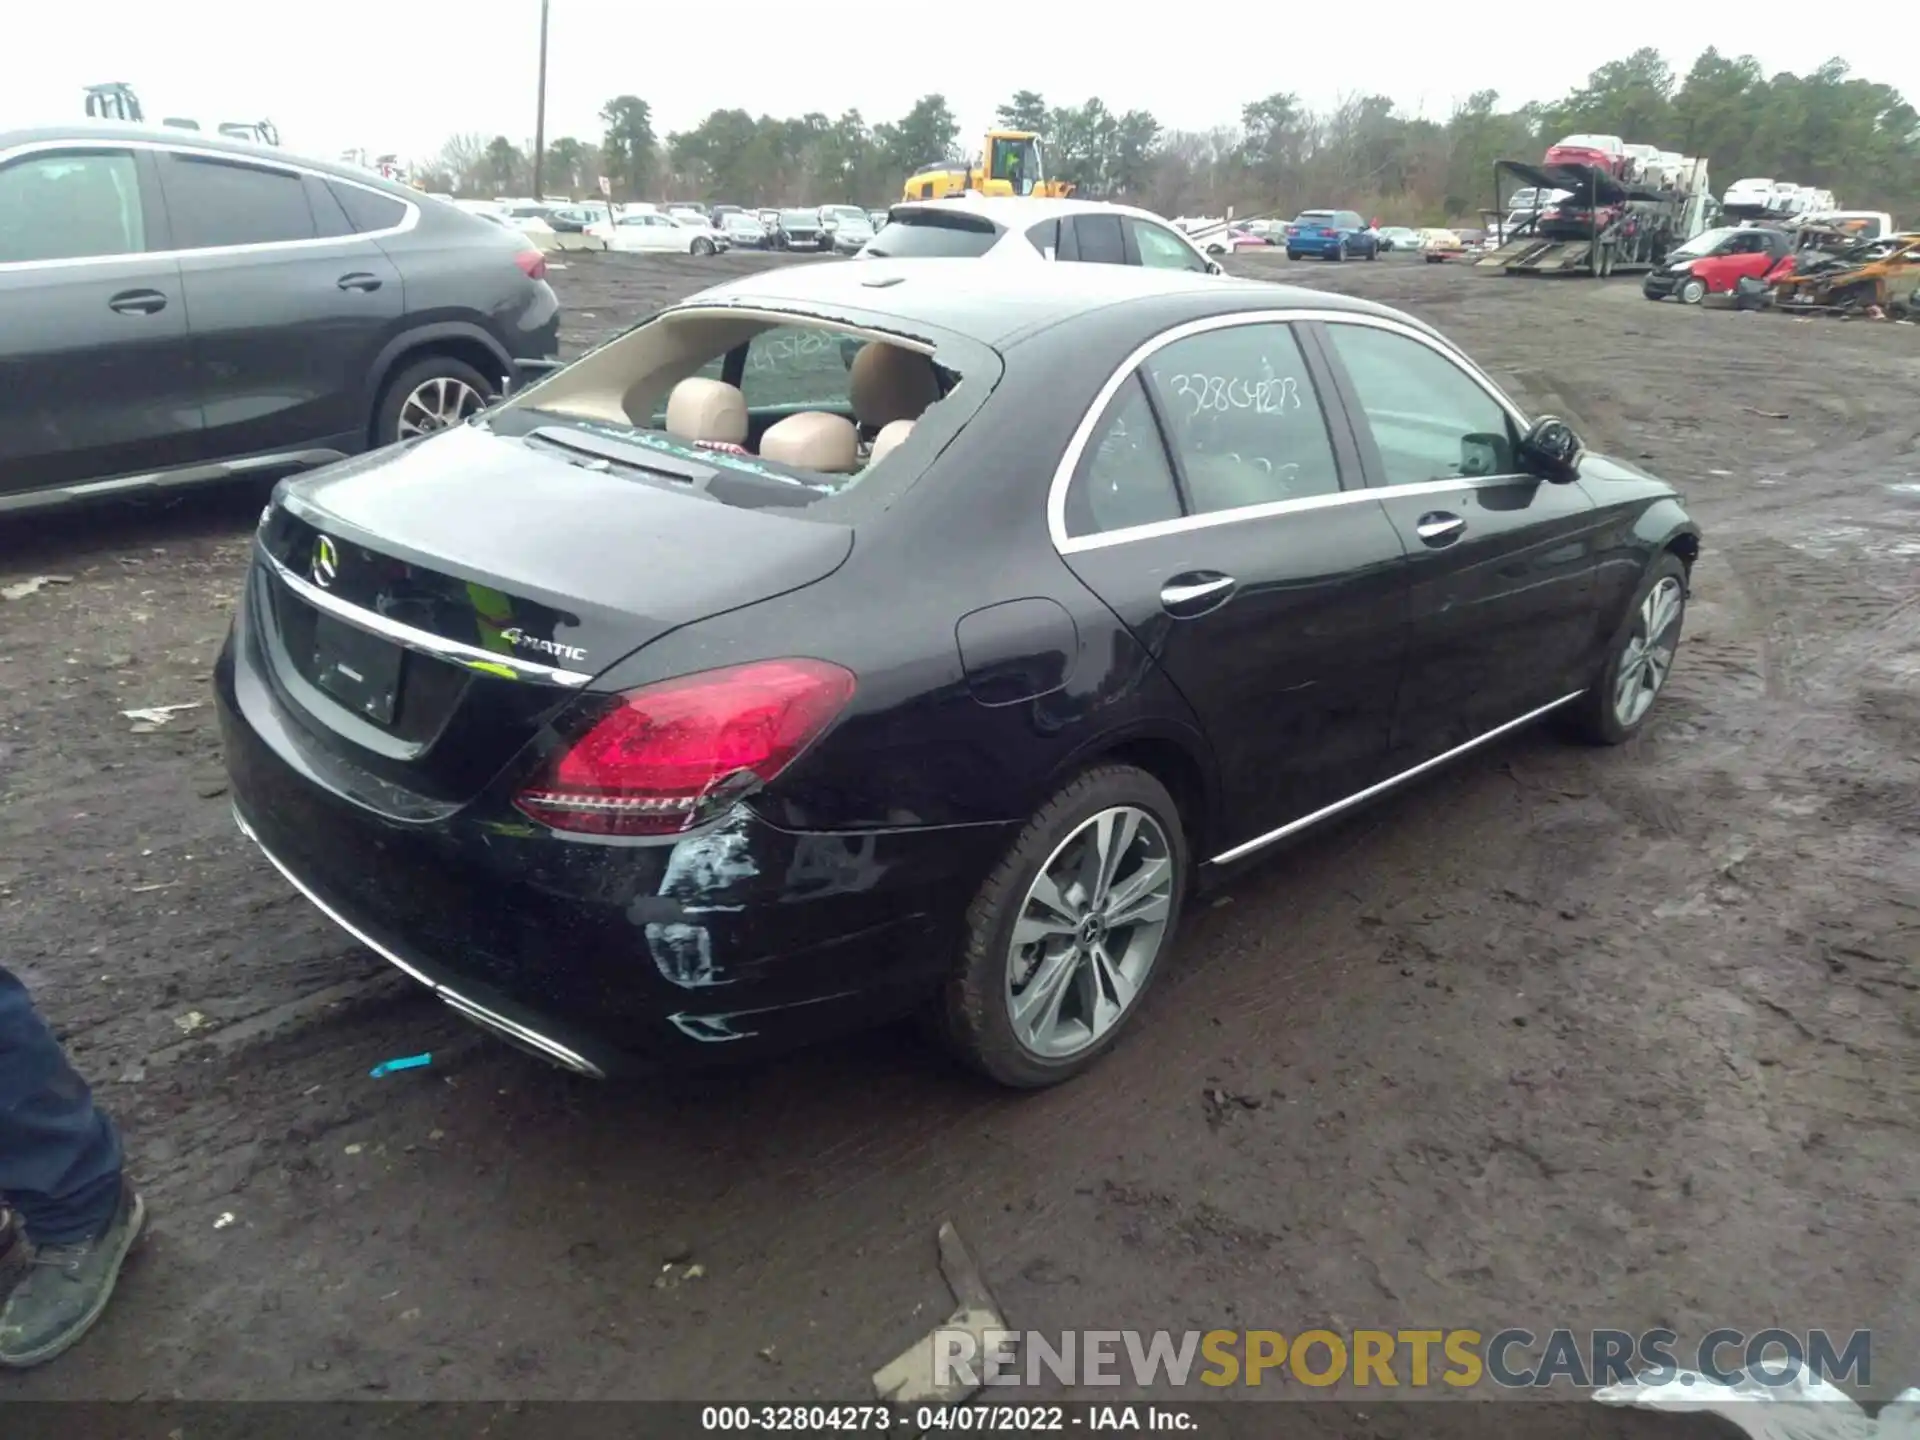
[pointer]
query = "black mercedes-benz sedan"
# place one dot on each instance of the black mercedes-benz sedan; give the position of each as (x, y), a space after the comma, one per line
(850, 639)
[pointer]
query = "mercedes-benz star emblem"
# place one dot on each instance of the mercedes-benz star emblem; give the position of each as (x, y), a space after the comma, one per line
(326, 562)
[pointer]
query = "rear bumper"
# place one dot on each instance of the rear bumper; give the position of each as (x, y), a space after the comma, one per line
(1316, 246)
(606, 956)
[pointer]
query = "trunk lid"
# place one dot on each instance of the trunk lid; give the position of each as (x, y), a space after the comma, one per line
(424, 611)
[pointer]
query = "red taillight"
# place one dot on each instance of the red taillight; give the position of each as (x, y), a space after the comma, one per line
(532, 264)
(654, 763)
(1327, 232)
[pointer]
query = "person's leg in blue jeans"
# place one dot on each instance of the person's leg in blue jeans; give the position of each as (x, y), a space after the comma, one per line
(60, 1171)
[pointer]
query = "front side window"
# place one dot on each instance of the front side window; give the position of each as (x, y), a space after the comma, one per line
(1429, 418)
(1161, 249)
(216, 203)
(1244, 418)
(71, 205)
(1123, 479)
(791, 367)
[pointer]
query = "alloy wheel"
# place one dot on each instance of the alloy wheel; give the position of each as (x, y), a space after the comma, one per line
(1089, 931)
(1648, 657)
(437, 403)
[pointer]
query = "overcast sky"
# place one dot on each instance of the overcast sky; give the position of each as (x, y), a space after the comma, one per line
(401, 75)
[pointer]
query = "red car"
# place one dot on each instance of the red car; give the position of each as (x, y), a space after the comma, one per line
(1714, 262)
(1602, 152)
(1574, 222)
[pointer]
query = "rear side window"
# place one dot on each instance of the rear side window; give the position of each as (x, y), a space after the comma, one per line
(1243, 417)
(71, 206)
(1045, 237)
(1099, 241)
(367, 209)
(935, 237)
(215, 202)
(1123, 479)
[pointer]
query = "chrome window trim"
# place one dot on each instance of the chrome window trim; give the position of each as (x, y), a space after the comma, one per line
(470, 657)
(1326, 812)
(1083, 433)
(258, 162)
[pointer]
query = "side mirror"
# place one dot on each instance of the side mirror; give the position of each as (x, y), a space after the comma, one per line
(1214, 267)
(1552, 449)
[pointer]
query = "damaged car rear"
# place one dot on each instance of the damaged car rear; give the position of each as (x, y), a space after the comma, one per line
(493, 704)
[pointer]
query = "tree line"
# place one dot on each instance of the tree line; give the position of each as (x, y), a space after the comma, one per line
(1832, 129)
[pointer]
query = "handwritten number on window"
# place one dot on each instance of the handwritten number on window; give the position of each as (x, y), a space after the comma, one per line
(1218, 394)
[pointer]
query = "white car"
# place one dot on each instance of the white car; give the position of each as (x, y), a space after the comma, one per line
(1023, 229)
(1530, 198)
(1642, 163)
(1754, 193)
(645, 232)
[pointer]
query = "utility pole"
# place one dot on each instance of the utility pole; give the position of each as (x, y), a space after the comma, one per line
(540, 116)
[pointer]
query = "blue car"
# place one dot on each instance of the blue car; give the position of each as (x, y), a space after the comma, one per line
(1332, 235)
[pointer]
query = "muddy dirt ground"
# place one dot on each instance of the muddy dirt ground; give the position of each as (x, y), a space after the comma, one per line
(1616, 1038)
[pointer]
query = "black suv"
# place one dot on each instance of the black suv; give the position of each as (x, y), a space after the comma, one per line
(177, 308)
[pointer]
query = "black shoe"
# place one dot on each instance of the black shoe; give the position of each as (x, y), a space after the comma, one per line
(66, 1288)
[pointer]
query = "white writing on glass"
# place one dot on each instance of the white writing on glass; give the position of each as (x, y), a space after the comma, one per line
(1220, 393)
(776, 348)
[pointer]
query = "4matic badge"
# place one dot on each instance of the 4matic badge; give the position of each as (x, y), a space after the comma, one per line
(523, 641)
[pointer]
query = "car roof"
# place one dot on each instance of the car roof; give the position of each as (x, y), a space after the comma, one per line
(948, 294)
(1017, 211)
(107, 131)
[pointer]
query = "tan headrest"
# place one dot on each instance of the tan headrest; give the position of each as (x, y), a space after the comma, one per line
(887, 384)
(890, 439)
(812, 440)
(700, 409)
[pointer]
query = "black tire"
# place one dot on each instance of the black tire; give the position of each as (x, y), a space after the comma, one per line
(978, 1025)
(1373, 253)
(1339, 252)
(1691, 291)
(702, 245)
(1594, 719)
(1293, 254)
(386, 415)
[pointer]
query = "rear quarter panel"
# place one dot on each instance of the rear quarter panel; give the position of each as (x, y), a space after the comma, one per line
(461, 270)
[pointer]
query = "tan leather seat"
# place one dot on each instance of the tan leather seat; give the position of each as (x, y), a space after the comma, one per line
(813, 440)
(701, 409)
(887, 383)
(890, 439)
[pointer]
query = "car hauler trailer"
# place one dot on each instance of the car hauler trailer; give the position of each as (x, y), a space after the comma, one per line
(1602, 227)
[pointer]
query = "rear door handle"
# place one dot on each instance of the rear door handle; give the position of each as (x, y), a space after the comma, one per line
(1439, 527)
(359, 280)
(1195, 593)
(138, 302)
